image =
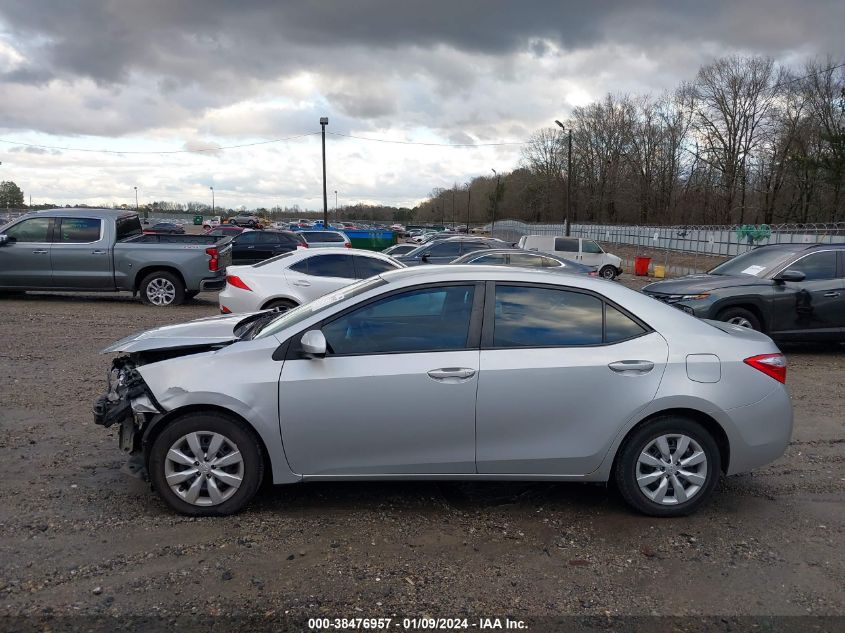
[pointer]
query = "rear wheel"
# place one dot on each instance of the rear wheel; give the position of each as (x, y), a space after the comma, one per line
(206, 464)
(162, 289)
(282, 305)
(739, 316)
(668, 467)
(608, 272)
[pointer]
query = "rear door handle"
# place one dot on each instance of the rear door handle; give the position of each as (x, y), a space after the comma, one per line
(632, 366)
(98, 252)
(39, 252)
(301, 282)
(453, 373)
(831, 294)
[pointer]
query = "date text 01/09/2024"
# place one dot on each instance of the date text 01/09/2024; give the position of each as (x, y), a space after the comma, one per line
(415, 624)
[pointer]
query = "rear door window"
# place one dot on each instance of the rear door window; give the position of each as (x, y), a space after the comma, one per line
(368, 266)
(331, 266)
(618, 326)
(79, 230)
(445, 249)
(525, 259)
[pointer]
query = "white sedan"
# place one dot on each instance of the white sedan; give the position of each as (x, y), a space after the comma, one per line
(291, 279)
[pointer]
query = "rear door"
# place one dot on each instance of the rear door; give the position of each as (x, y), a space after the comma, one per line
(81, 255)
(561, 372)
(25, 263)
(814, 307)
(320, 274)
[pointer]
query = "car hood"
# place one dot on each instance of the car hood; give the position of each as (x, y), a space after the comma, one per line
(694, 284)
(209, 331)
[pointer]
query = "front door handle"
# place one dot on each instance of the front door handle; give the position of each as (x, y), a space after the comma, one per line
(98, 252)
(452, 374)
(39, 252)
(632, 367)
(831, 294)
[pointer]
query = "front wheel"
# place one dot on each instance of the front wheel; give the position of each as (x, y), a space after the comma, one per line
(608, 272)
(162, 289)
(668, 467)
(741, 317)
(206, 464)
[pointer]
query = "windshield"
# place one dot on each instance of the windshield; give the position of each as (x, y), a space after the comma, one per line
(755, 263)
(292, 317)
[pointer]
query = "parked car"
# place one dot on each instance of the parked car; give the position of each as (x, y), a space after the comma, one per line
(226, 229)
(518, 257)
(211, 223)
(421, 236)
(443, 251)
(788, 291)
(511, 372)
(326, 239)
(247, 220)
(294, 278)
(165, 227)
(399, 249)
(580, 249)
(251, 247)
(104, 250)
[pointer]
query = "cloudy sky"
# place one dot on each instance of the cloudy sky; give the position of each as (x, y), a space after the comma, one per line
(163, 84)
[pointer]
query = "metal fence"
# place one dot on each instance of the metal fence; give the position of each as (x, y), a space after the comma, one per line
(681, 249)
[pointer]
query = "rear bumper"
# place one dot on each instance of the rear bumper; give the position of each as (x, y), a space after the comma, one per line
(761, 431)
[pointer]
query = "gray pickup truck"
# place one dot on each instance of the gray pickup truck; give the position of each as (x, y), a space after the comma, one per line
(105, 250)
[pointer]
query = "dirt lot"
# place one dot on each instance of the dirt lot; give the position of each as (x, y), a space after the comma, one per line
(79, 536)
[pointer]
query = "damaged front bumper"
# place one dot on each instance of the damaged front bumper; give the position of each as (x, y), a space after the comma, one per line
(129, 404)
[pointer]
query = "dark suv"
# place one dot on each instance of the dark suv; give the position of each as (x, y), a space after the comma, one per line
(788, 291)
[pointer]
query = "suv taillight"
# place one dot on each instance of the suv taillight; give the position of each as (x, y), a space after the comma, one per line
(213, 259)
(773, 365)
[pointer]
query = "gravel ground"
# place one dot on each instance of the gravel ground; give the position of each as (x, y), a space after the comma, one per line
(79, 536)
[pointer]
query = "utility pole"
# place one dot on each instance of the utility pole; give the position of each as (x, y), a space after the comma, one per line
(212, 201)
(469, 199)
(495, 203)
(568, 175)
(324, 121)
(453, 205)
(136, 199)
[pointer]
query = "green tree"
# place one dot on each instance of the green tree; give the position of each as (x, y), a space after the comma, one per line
(11, 196)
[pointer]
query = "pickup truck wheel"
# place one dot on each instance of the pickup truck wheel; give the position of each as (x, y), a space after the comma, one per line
(162, 289)
(608, 272)
(206, 464)
(741, 317)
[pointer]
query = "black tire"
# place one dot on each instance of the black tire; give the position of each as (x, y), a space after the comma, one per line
(161, 279)
(283, 305)
(608, 272)
(246, 443)
(740, 316)
(626, 465)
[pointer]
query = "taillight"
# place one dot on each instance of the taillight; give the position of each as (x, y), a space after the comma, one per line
(773, 365)
(237, 282)
(213, 259)
(347, 245)
(225, 310)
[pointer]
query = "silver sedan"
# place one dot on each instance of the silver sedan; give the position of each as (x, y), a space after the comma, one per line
(510, 374)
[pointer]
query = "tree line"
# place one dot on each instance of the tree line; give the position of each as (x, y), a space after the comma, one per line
(746, 141)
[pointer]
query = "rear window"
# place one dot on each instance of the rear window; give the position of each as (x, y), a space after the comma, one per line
(322, 236)
(128, 226)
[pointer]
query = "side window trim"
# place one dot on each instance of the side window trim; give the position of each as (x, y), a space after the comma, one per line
(294, 350)
(490, 316)
(57, 230)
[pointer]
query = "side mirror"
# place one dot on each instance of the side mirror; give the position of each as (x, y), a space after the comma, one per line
(790, 275)
(313, 344)
(5, 239)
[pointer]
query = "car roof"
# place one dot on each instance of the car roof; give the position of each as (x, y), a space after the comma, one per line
(84, 213)
(793, 246)
(298, 255)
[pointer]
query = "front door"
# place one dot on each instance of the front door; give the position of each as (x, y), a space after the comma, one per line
(591, 253)
(245, 249)
(80, 255)
(25, 261)
(395, 393)
(814, 307)
(561, 373)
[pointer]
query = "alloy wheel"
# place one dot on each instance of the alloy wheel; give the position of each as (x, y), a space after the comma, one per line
(204, 468)
(671, 469)
(161, 291)
(741, 321)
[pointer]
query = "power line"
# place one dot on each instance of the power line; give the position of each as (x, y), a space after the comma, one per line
(172, 151)
(384, 140)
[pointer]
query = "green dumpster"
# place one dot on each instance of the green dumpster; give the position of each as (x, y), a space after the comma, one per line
(197, 220)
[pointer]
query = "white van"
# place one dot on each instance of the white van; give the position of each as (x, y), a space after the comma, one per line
(577, 249)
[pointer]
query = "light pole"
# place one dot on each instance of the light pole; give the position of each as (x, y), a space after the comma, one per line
(336, 216)
(495, 202)
(212, 201)
(469, 199)
(136, 199)
(568, 173)
(324, 121)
